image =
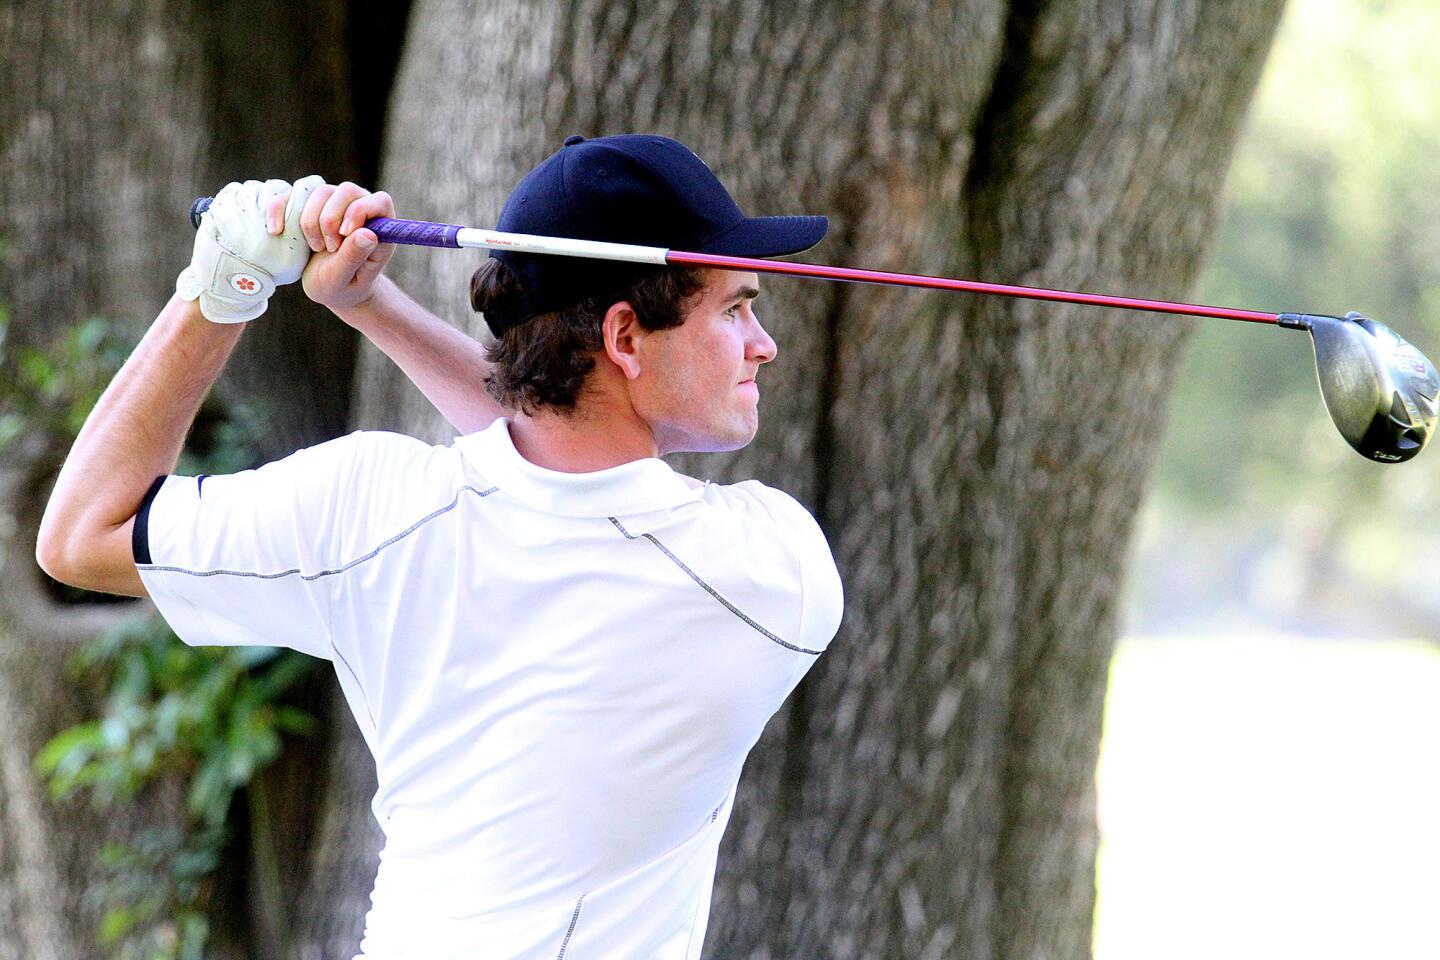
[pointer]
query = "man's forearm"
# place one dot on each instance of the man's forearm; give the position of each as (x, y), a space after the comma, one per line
(446, 364)
(134, 434)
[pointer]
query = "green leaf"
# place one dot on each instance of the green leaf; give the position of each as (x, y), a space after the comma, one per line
(115, 732)
(37, 370)
(264, 748)
(82, 739)
(166, 718)
(130, 687)
(115, 924)
(199, 861)
(293, 720)
(284, 674)
(88, 338)
(194, 934)
(12, 425)
(209, 798)
(142, 760)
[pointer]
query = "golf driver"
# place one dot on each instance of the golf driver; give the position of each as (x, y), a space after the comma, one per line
(1380, 391)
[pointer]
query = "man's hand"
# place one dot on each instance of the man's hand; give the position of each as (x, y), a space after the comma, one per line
(237, 262)
(447, 365)
(347, 257)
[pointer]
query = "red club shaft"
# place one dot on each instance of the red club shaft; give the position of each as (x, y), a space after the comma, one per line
(719, 262)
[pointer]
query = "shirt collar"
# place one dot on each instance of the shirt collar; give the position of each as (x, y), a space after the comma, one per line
(640, 486)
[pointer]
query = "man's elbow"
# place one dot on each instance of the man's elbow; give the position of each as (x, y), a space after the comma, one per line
(56, 556)
(101, 562)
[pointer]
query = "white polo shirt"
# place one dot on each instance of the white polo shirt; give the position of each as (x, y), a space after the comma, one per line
(559, 675)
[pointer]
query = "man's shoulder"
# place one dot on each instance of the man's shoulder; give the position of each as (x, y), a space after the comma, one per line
(384, 442)
(381, 451)
(776, 521)
(374, 476)
(753, 492)
(769, 506)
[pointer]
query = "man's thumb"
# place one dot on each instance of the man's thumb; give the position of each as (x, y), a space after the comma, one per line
(364, 241)
(354, 252)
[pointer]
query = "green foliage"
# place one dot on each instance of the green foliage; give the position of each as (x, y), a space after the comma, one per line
(52, 390)
(210, 716)
(208, 712)
(208, 719)
(147, 896)
(1333, 205)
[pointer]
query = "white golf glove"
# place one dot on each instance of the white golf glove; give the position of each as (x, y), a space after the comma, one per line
(236, 263)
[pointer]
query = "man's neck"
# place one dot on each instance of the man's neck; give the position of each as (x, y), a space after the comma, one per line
(582, 442)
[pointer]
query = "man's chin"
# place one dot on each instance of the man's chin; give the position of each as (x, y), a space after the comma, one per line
(713, 442)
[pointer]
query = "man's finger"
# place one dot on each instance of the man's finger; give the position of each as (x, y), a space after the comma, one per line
(310, 217)
(299, 199)
(271, 191)
(369, 270)
(344, 195)
(354, 252)
(365, 209)
(275, 214)
(379, 252)
(366, 242)
(248, 196)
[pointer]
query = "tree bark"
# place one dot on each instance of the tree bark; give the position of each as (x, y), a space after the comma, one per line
(87, 180)
(977, 464)
(928, 791)
(113, 117)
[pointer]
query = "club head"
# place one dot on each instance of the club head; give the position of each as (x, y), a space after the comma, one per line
(1380, 391)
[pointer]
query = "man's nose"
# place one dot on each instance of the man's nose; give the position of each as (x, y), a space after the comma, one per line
(762, 347)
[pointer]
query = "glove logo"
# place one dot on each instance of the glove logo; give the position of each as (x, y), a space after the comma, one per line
(244, 283)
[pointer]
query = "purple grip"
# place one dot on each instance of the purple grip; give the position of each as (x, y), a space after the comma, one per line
(418, 233)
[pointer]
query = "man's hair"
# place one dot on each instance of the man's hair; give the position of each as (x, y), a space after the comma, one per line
(545, 361)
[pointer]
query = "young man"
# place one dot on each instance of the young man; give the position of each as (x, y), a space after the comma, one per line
(558, 649)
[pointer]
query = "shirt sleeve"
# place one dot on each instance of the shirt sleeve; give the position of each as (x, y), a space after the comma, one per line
(822, 602)
(251, 558)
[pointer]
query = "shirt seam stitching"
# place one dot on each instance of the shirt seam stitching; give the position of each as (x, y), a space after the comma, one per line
(364, 696)
(295, 571)
(574, 919)
(711, 590)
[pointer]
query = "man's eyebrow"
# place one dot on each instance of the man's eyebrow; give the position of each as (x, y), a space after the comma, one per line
(743, 293)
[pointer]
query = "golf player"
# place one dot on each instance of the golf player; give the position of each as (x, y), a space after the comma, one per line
(558, 649)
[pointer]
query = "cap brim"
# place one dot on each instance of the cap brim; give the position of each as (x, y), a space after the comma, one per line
(768, 237)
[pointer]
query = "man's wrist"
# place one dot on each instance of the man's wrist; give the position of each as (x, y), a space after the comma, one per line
(198, 334)
(374, 310)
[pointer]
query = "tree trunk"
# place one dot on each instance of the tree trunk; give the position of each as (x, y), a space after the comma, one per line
(977, 464)
(928, 791)
(113, 116)
(87, 179)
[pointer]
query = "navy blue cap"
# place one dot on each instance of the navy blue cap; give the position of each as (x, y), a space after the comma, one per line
(633, 188)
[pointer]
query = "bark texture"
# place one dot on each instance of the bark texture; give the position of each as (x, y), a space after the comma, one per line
(81, 170)
(928, 791)
(113, 117)
(977, 464)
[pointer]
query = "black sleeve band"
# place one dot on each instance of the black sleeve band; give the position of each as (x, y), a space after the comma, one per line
(140, 535)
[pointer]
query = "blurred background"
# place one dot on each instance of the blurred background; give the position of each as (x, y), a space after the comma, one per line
(1269, 782)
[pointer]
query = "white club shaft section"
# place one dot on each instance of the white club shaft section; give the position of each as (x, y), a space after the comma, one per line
(561, 246)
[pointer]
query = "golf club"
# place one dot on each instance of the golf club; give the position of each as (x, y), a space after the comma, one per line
(1380, 390)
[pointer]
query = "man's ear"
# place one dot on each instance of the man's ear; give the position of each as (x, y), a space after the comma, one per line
(623, 335)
